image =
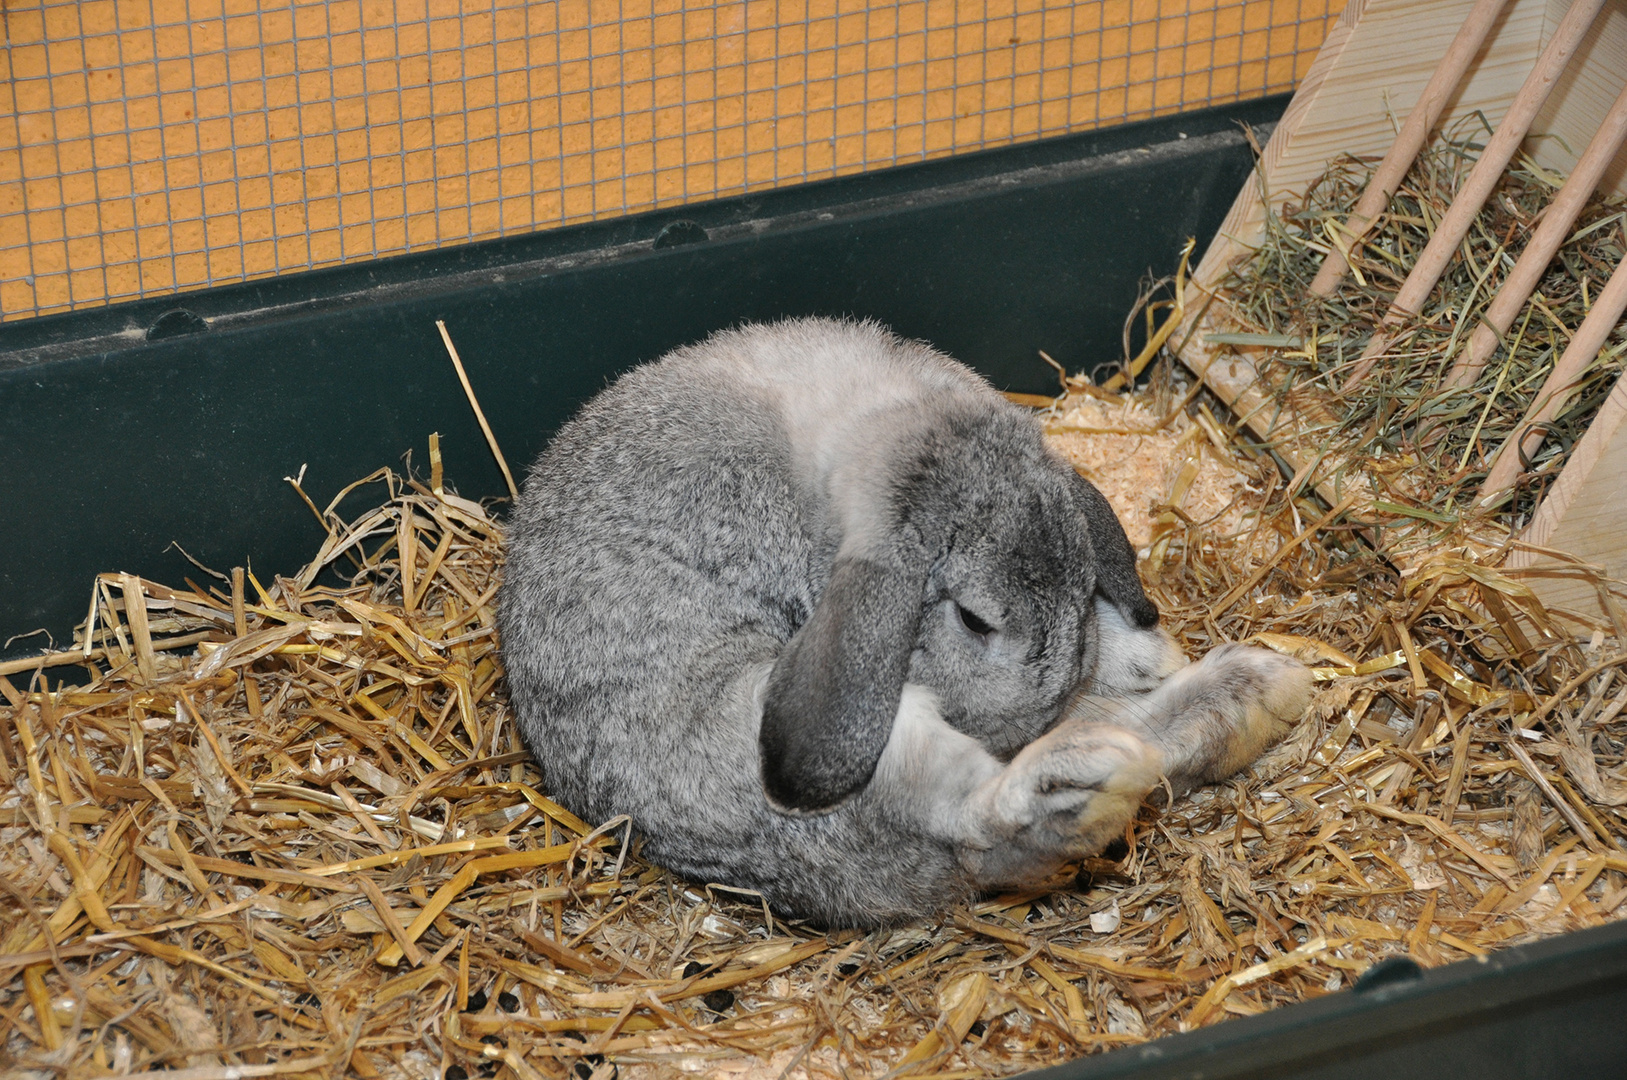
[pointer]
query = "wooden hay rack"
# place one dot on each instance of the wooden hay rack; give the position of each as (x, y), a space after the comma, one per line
(1543, 79)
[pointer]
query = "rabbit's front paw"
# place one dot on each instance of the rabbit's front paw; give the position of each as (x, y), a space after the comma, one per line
(1225, 710)
(1065, 795)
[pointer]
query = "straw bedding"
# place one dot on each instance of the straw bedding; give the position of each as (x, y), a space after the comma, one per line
(286, 827)
(310, 841)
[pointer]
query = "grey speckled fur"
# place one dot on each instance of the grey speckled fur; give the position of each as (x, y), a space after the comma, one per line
(821, 612)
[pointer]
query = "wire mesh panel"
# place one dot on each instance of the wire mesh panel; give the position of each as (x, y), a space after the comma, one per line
(148, 146)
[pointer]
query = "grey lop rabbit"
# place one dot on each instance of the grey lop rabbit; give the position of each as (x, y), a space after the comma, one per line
(819, 609)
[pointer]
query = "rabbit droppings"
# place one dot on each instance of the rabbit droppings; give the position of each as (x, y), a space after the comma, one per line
(820, 610)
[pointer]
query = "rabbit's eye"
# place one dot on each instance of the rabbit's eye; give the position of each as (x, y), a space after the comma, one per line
(972, 623)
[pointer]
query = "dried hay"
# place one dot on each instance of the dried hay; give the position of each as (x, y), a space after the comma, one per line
(289, 829)
(1426, 447)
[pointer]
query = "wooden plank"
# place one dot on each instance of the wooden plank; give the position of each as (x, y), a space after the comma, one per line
(1583, 96)
(1585, 515)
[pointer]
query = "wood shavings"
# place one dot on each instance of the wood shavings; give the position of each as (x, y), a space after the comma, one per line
(1148, 466)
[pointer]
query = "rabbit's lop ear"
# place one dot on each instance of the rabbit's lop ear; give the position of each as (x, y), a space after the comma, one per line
(1116, 575)
(833, 694)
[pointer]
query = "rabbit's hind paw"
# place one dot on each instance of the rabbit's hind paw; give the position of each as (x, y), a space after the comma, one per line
(1225, 710)
(1064, 796)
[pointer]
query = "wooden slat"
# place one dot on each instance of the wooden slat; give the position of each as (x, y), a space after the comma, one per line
(1414, 135)
(1477, 187)
(1374, 66)
(1585, 514)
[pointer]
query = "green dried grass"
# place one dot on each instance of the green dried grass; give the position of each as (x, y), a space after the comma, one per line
(1399, 412)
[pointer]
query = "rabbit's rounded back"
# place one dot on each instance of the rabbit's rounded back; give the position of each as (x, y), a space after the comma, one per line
(722, 573)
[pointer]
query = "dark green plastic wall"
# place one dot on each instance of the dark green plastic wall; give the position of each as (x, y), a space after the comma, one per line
(114, 445)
